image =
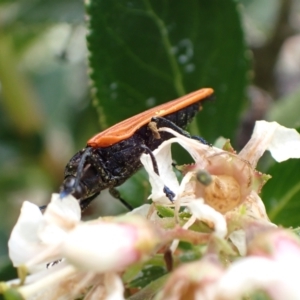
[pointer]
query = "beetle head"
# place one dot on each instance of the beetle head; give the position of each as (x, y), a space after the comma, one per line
(81, 178)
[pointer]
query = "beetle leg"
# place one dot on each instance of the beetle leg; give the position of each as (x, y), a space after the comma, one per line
(154, 163)
(115, 193)
(200, 139)
(89, 157)
(84, 203)
(167, 191)
(42, 208)
(163, 122)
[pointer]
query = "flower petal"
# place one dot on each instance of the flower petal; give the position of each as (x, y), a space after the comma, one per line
(102, 246)
(24, 242)
(36, 238)
(238, 238)
(142, 210)
(166, 176)
(67, 208)
(258, 273)
(282, 142)
(114, 287)
(163, 157)
(61, 216)
(193, 280)
(206, 213)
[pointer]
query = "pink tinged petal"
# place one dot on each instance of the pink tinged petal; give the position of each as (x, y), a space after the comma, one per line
(277, 244)
(283, 143)
(288, 250)
(272, 269)
(208, 214)
(257, 273)
(24, 242)
(100, 247)
(196, 280)
(103, 246)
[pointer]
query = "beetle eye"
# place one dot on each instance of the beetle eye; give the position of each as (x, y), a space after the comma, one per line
(69, 182)
(68, 187)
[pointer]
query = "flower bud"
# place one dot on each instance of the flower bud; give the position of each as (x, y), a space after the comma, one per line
(106, 246)
(277, 244)
(196, 280)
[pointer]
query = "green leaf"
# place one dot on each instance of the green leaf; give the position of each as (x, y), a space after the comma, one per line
(296, 231)
(47, 11)
(147, 275)
(164, 211)
(7, 271)
(150, 290)
(258, 295)
(143, 53)
(12, 294)
(136, 190)
(281, 194)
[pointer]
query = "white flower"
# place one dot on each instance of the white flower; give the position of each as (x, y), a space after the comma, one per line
(36, 238)
(185, 192)
(87, 256)
(68, 283)
(234, 184)
(234, 178)
(273, 258)
(61, 251)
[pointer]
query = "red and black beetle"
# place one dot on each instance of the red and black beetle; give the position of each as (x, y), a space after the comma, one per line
(113, 155)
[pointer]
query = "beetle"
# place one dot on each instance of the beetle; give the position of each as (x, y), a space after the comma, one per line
(113, 155)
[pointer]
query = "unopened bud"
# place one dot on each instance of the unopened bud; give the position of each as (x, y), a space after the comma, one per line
(109, 246)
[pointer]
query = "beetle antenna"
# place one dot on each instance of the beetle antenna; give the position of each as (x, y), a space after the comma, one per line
(73, 184)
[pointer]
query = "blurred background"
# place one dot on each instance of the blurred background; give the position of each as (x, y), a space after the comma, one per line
(46, 108)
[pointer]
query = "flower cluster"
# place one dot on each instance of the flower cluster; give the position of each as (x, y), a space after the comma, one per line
(233, 248)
